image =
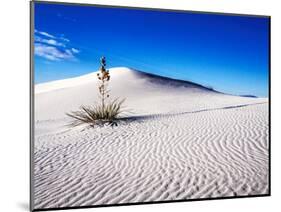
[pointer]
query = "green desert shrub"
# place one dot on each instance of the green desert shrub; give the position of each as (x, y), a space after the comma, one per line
(98, 114)
(106, 111)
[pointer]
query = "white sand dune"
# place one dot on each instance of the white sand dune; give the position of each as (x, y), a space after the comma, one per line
(181, 141)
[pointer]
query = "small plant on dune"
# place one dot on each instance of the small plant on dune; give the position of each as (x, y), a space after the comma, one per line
(107, 112)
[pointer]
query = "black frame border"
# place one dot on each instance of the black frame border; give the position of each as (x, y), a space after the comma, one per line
(31, 103)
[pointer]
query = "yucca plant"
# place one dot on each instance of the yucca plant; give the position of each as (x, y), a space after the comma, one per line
(105, 112)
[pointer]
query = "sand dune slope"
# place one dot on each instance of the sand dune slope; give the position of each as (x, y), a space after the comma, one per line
(183, 141)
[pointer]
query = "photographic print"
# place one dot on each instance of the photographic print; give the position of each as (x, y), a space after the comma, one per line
(134, 106)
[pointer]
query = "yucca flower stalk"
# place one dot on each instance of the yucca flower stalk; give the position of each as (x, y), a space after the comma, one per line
(104, 78)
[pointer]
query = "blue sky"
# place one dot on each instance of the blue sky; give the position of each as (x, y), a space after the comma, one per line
(228, 53)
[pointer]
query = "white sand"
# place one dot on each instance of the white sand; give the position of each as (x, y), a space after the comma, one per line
(185, 142)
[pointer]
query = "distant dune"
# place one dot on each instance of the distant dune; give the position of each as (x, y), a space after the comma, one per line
(181, 141)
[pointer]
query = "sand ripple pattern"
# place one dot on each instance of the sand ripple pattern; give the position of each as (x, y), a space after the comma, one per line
(216, 153)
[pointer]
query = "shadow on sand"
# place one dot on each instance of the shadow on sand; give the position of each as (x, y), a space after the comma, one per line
(153, 116)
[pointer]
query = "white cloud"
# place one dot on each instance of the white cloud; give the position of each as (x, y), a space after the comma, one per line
(75, 50)
(45, 34)
(65, 39)
(48, 41)
(53, 48)
(54, 42)
(52, 53)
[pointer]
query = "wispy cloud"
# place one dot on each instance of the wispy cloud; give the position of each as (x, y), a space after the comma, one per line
(48, 41)
(53, 48)
(44, 33)
(52, 53)
(75, 50)
(64, 39)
